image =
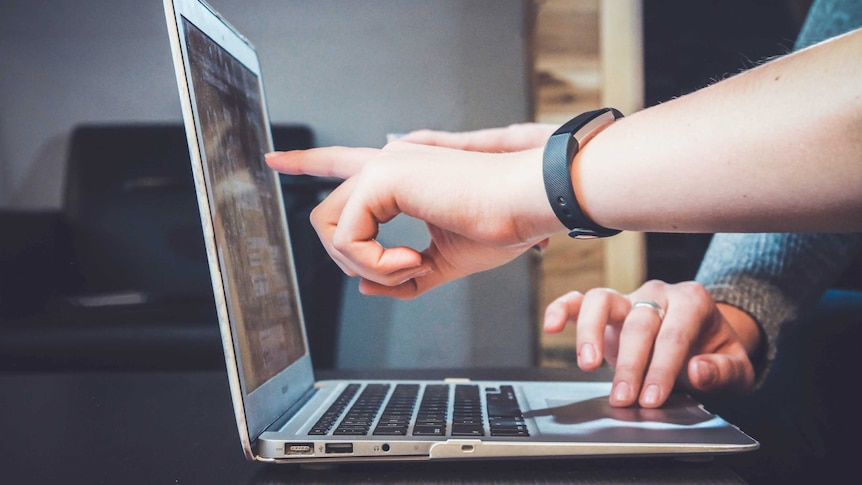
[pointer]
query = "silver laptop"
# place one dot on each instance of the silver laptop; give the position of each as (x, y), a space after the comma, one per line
(283, 414)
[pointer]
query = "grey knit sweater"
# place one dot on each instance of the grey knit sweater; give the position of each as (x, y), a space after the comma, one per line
(775, 277)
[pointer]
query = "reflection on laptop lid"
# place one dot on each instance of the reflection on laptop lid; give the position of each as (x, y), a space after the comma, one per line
(282, 413)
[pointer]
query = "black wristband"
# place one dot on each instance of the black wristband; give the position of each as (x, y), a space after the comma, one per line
(557, 166)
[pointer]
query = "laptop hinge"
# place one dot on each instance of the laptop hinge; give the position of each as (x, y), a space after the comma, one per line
(292, 410)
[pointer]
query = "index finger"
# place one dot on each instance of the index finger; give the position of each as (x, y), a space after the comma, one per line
(337, 162)
(601, 308)
(507, 139)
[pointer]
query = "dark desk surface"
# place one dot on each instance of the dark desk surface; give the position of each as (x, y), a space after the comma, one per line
(178, 428)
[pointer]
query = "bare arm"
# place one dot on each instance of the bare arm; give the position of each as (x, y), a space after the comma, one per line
(776, 148)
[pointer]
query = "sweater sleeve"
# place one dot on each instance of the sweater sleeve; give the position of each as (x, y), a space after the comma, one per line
(775, 277)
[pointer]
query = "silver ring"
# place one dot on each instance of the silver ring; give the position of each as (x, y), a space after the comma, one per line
(650, 304)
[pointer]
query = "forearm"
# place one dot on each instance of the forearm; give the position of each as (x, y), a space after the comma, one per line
(777, 148)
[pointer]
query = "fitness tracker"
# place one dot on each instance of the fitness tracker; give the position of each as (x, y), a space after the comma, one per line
(557, 171)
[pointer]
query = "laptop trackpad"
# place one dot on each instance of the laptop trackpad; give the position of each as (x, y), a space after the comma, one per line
(566, 416)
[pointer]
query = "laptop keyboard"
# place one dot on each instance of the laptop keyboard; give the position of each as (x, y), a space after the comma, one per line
(433, 411)
(400, 416)
(363, 412)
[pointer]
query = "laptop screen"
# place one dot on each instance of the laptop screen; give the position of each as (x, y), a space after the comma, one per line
(245, 201)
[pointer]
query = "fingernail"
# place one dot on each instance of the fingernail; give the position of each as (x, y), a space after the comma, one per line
(652, 393)
(270, 154)
(424, 272)
(552, 315)
(587, 355)
(706, 373)
(622, 391)
(394, 136)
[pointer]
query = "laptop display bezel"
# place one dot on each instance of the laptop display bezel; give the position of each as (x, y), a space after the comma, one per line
(257, 409)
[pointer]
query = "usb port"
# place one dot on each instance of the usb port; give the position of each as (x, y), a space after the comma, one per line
(339, 447)
(298, 448)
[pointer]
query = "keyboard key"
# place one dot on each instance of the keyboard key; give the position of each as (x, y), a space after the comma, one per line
(364, 411)
(325, 423)
(399, 410)
(504, 413)
(467, 430)
(429, 430)
(433, 411)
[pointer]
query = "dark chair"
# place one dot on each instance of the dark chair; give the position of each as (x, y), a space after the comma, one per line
(119, 278)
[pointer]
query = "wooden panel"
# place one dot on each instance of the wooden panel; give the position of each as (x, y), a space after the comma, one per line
(586, 54)
(567, 74)
(621, 42)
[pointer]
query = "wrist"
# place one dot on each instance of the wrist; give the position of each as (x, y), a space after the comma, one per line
(746, 328)
(560, 172)
(533, 219)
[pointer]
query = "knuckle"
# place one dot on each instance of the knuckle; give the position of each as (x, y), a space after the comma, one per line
(572, 295)
(315, 217)
(601, 294)
(340, 242)
(695, 295)
(654, 286)
(692, 289)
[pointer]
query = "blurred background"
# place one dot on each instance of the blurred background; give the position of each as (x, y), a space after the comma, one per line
(78, 77)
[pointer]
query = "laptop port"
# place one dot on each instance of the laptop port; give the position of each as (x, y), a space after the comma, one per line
(339, 447)
(298, 448)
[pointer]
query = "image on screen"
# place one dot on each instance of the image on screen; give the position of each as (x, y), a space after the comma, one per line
(246, 213)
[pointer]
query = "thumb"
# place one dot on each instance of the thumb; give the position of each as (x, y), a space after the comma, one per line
(720, 372)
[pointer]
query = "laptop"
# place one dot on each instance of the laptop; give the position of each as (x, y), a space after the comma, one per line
(283, 414)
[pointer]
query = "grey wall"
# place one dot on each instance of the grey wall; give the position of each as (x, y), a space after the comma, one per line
(353, 70)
